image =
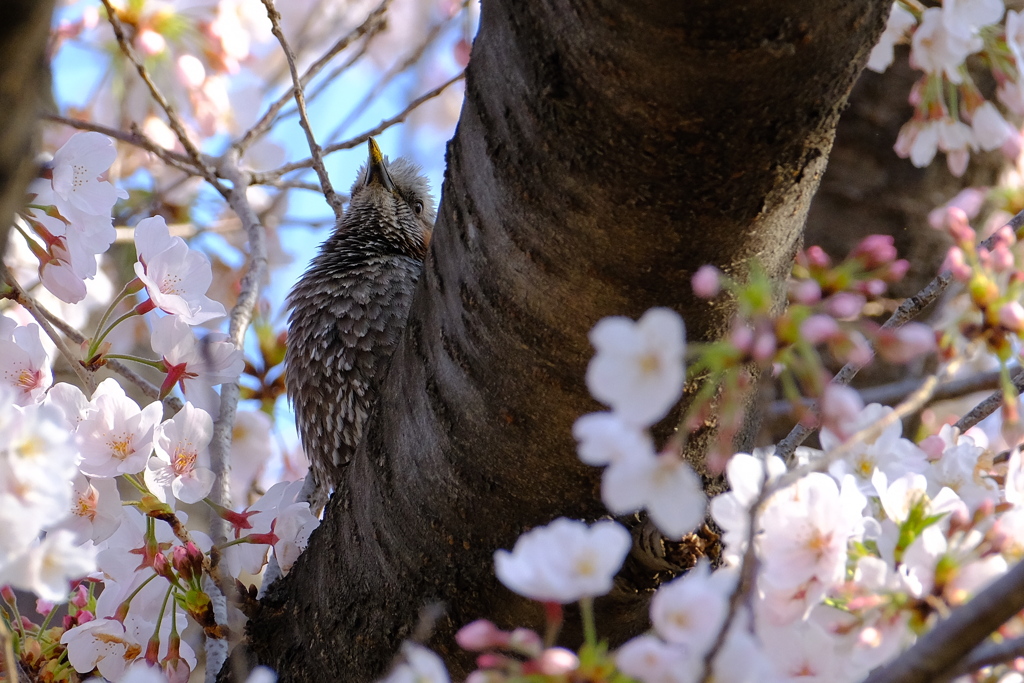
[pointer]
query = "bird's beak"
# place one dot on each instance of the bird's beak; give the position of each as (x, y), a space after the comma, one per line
(376, 169)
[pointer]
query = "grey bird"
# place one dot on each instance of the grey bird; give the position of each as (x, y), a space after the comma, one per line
(348, 311)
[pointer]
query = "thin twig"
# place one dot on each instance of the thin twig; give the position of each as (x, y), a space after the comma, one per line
(889, 394)
(220, 444)
(265, 176)
(172, 117)
(178, 161)
(333, 200)
(748, 568)
(29, 304)
(373, 22)
(173, 403)
(942, 648)
(907, 311)
(396, 70)
(990, 404)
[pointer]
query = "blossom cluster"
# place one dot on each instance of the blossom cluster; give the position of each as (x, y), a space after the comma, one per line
(950, 112)
(823, 321)
(873, 541)
(130, 568)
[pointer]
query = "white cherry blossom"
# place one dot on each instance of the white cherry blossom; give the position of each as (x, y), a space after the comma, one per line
(937, 49)
(175, 276)
(196, 366)
(663, 484)
(180, 467)
(564, 561)
(25, 364)
(46, 568)
(605, 438)
(116, 437)
(900, 21)
(691, 609)
(418, 665)
(638, 368)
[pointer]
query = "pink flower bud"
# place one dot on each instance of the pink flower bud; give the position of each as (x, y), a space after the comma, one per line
(84, 616)
(80, 596)
(805, 292)
(480, 635)
(1004, 236)
(845, 305)
(956, 263)
(859, 352)
(707, 282)
(526, 642)
(840, 406)
(875, 250)
(7, 593)
(1011, 316)
(43, 607)
(933, 446)
(1001, 259)
(819, 328)
(764, 346)
(873, 288)
(557, 661)
(187, 561)
(957, 225)
(816, 257)
(177, 671)
(742, 337)
(897, 270)
(911, 341)
(151, 42)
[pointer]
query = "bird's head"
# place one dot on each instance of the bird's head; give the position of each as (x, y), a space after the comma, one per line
(393, 197)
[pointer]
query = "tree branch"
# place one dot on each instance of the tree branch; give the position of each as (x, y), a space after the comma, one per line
(941, 649)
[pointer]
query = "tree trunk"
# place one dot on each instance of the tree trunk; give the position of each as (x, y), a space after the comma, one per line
(605, 151)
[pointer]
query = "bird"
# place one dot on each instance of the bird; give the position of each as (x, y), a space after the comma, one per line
(348, 311)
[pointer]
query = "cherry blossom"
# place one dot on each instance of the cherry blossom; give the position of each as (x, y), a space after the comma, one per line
(101, 644)
(888, 452)
(25, 364)
(196, 366)
(900, 21)
(116, 437)
(95, 509)
(690, 610)
(76, 170)
(807, 528)
(638, 367)
(937, 49)
(176, 277)
(564, 561)
(605, 438)
(48, 566)
(663, 484)
(746, 475)
(649, 659)
(180, 466)
(418, 665)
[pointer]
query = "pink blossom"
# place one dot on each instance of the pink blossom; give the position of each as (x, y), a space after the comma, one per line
(24, 364)
(180, 466)
(116, 437)
(845, 305)
(918, 140)
(957, 264)
(819, 328)
(175, 276)
(691, 609)
(875, 251)
(707, 282)
(806, 292)
(76, 170)
(912, 341)
(481, 635)
(968, 200)
(1011, 316)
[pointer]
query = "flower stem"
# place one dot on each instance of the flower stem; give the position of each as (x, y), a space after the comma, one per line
(587, 616)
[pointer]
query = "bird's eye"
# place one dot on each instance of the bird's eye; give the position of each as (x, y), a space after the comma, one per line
(418, 207)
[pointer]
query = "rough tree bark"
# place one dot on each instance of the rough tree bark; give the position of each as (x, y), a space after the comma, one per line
(606, 150)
